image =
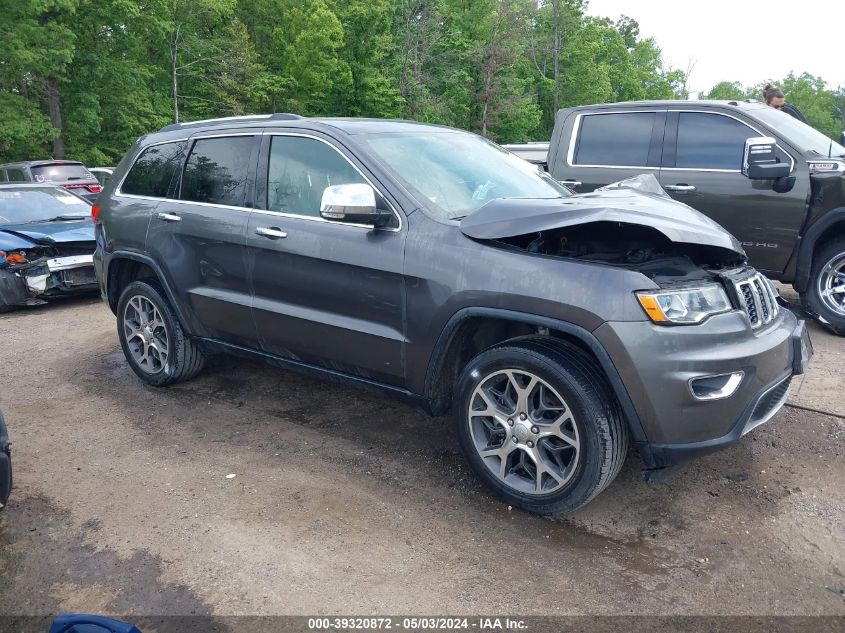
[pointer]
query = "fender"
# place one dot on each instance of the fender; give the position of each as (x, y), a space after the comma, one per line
(808, 242)
(146, 260)
(438, 357)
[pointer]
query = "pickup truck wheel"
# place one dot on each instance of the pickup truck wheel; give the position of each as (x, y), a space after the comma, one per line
(826, 295)
(152, 339)
(539, 425)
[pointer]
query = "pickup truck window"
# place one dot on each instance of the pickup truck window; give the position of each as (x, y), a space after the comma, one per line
(455, 173)
(217, 170)
(300, 169)
(614, 139)
(711, 141)
(804, 137)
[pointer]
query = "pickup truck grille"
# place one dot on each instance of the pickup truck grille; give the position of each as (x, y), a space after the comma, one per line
(758, 298)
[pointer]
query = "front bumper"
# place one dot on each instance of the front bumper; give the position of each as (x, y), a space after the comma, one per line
(657, 363)
(26, 284)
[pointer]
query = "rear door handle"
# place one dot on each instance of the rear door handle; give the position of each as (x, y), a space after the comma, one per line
(571, 183)
(169, 217)
(679, 187)
(273, 232)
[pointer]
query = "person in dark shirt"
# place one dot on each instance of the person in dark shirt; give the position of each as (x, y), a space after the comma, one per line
(773, 96)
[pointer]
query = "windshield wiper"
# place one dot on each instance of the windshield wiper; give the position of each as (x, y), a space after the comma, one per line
(58, 218)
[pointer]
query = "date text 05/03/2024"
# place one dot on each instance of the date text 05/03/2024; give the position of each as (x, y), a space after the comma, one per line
(416, 623)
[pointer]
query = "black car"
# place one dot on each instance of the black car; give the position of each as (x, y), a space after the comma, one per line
(774, 182)
(433, 265)
(46, 245)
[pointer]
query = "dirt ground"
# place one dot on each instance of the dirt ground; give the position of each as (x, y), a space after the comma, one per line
(344, 502)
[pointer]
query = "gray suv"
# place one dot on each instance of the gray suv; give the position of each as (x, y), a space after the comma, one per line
(430, 264)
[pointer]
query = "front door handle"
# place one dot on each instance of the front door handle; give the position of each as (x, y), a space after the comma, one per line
(169, 217)
(273, 232)
(680, 187)
(571, 183)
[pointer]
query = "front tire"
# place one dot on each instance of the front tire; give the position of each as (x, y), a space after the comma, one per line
(825, 296)
(152, 339)
(539, 425)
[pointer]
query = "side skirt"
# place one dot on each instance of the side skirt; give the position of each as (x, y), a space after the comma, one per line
(418, 402)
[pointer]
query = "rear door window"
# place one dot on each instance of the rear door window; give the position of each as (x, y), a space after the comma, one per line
(15, 175)
(616, 139)
(155, 172)
(218, 170)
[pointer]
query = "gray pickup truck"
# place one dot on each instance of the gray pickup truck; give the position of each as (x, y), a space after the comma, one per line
(774, 182)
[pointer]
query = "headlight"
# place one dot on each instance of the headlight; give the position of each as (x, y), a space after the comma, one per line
(691, 305)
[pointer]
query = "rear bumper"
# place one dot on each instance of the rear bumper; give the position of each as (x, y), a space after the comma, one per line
(679, 426)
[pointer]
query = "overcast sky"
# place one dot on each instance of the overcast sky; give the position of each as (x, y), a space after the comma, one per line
(741, 40)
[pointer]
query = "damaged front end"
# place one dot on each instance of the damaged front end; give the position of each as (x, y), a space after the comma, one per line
(30, 276)
(621, 225)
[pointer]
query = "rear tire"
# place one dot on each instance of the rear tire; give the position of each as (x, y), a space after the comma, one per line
(152, 339)
(555, 437)
(825, 296)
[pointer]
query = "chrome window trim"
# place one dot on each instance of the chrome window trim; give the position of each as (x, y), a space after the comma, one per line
(118, 190)
(577, 128)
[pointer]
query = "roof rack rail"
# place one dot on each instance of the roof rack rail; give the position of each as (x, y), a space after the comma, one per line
(277, 116)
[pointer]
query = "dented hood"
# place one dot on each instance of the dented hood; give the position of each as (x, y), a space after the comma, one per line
(46, 233)
(511, 217)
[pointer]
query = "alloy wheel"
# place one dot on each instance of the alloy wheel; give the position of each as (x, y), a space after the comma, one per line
(831, 284)
(146, 334)
(524, 431)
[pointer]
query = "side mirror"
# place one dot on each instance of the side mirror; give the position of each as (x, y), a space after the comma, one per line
(353, 203)
(759, 161)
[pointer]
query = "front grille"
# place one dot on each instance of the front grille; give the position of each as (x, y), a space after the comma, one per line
(758, 298)
(771, 401)
(74, 277)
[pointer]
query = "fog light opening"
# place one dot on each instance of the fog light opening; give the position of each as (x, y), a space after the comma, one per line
(715, 387)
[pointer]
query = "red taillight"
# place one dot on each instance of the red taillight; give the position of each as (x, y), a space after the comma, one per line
(95, 188)
(95, 212)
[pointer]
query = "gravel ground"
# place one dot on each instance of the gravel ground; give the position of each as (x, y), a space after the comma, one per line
(344, 502)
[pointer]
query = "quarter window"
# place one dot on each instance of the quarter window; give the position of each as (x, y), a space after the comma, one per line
(710, 141)
(299, 171)
(15, 175)
(620, 140)
(217, 170)
(154, 172)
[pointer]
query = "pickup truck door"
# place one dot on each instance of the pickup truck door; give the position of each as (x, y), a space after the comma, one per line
(598, 148)
(325, 293)
(701, 167)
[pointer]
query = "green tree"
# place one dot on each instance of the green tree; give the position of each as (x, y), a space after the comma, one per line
(817, 103)
(726, 91)
(37, 45)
